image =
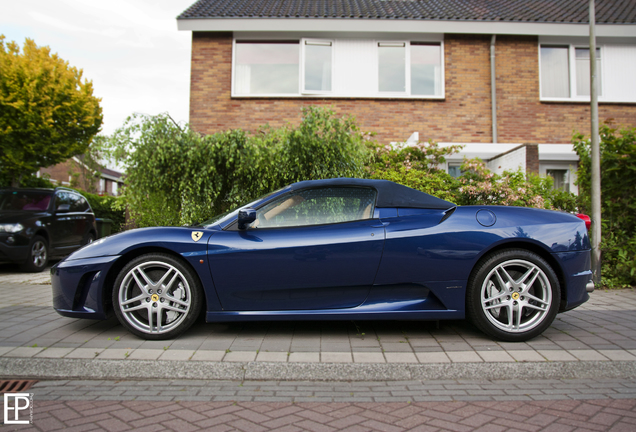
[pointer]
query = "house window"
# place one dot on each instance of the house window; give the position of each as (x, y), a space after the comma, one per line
(347, 67)
(417, 64)
(392, 67)
(266, 67)
(426, 69)
(565, 72)
(454, 169)
(115, 188)
(318, 61)
(583, 71)
(555, 72)
(561, 179)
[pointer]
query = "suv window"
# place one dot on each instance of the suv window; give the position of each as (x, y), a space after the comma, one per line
(24, 200)
(78, 203)
(317, 207)
(63, 201)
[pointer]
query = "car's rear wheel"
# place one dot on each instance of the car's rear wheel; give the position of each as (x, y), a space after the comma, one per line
(38, 255)
(157, 297)
(90, 238)
(513, 295)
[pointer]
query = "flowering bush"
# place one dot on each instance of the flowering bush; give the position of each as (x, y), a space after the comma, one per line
(512, 188)
(419, 167)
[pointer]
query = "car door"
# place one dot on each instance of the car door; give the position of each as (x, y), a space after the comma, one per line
(81, 219)
(61, 222)
(309, 249)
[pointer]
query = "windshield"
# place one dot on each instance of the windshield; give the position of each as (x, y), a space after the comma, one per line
(24, 201)
(230, 214)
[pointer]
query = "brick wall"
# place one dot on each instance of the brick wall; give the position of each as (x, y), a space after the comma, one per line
(464, 115)
(61, 172)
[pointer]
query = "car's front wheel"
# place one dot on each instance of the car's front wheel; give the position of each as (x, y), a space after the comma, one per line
(38, 255)
(157, 297)
(513, 295)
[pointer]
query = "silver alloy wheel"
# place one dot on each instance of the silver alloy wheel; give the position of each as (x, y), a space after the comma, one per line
(154, 297)
(38, 253)
(516, 296)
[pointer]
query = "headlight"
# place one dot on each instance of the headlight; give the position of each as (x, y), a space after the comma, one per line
(11, 228)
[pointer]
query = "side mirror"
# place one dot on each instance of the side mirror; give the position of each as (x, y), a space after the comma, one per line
(245, 217)
(63, 208)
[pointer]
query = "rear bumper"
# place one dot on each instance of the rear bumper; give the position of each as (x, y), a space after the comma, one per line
(577, 278)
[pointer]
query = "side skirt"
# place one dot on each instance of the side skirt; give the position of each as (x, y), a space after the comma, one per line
(332, 315)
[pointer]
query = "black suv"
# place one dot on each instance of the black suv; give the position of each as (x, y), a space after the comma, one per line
(36, 224)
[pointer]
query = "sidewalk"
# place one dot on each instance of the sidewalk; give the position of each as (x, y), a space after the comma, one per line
(597, 340)
(311, 376)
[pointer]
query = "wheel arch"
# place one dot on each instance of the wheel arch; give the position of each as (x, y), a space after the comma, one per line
(43, 233)
(114, 270)
(532, 247)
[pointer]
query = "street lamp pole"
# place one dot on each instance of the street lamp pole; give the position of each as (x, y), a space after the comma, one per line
(596, 153)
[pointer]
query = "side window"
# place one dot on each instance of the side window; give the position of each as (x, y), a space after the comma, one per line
(63, 201)
(78, 203)
(317, 207)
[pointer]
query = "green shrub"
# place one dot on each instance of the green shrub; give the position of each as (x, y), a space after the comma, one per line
(177, 177)
(107, 207)
(618, 207)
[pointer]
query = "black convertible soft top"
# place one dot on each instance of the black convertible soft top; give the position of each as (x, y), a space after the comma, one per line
(389, 194)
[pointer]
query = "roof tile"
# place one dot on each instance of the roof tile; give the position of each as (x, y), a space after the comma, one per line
(539, 11)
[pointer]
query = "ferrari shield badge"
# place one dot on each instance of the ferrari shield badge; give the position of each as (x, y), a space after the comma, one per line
(196, 235)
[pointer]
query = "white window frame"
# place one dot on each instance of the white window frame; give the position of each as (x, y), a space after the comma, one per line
(267, 95)
(303, 54)
(373, 93)
(571, 73)
(570, 166)
(407, 66)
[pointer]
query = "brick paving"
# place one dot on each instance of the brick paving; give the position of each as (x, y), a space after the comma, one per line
(564, 415)
(597, 341)
(602, 330)
(338, 391)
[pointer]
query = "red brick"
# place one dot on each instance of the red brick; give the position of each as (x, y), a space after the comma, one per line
(463, 116)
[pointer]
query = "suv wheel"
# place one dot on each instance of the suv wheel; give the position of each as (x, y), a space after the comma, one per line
(38, 255)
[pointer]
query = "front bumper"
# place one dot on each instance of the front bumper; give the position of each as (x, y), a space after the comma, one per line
(18, 252)
(78, 287)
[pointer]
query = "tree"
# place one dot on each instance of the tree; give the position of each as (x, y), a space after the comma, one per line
(47, 112)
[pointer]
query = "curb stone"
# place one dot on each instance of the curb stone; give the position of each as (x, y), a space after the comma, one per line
(37, 368)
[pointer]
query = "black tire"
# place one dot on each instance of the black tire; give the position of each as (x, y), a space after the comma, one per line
(513, 295)
(90, 238)
(38, 255)
(157, 287)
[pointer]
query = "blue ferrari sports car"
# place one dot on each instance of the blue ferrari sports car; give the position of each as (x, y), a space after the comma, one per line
(337, 249)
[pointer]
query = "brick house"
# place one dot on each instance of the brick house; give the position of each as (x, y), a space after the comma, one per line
(74, 172)
(507, 78)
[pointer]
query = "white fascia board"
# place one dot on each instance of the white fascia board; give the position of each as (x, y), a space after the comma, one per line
(557, 152)
(110, 177)
(402, 26)
(484, 151)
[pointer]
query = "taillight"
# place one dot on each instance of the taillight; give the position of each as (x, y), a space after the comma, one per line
(585, 218)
